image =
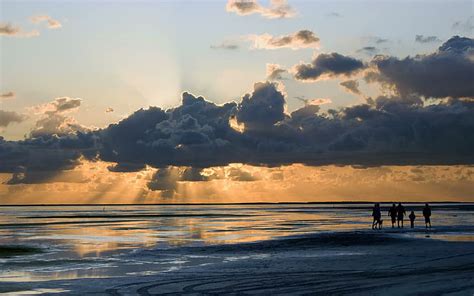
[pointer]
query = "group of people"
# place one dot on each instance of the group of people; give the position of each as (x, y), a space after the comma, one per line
(398, 213)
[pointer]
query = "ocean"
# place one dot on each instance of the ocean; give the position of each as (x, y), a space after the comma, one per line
(42, 244)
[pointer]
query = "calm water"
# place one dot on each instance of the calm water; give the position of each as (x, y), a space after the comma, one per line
(97, 241)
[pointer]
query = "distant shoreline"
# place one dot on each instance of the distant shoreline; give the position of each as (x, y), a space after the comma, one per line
(245, 203)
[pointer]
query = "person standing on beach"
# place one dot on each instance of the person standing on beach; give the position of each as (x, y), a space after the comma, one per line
(377, 215)
(400, 214)
(392, 212)
(427, 215)
(412, 219)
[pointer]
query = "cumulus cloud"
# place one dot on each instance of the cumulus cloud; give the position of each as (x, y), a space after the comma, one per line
(351, 86)
(58, 105)
(54, 118)
(426, 39)
(298, 40)
(9, 30)
(263, 108)
(387, 130)
(50, 22)
(9, 117)
(275, 72)
(7, 95)
(328, 66)
(448, 72)
(277, 8)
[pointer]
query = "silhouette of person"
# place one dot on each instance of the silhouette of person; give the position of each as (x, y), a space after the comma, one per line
(427, 215)
(392, 212)
(412, 219)
(400, 214)
(377, 215)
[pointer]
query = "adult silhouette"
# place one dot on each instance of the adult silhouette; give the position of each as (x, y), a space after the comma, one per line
(377, 215)
(412, 219)
(392, 212)
(427, 215)
(400, 214)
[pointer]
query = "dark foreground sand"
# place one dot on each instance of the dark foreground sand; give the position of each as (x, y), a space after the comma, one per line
(355, 263)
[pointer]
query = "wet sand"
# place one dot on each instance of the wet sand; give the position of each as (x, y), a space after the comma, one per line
(341, 263)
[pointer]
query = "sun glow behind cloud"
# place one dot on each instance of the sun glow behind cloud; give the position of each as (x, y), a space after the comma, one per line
(92, 182)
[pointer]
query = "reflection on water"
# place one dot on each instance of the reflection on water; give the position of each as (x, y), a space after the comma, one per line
(88, 241)
(36, 292)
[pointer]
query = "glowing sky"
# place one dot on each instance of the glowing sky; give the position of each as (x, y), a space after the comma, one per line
(364, 100)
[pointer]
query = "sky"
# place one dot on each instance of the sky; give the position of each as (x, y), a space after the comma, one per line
(236, 101)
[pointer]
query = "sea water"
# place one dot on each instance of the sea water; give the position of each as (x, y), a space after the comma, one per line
(74, 242)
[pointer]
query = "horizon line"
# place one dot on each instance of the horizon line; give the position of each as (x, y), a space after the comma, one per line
(234, 203)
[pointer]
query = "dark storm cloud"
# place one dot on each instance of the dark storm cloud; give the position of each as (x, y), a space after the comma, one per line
(328, 65)
(35, 160)
(448, 72)
(263, 108)
(9, 117)
(198, 134)
(390, 130)
(426, 39)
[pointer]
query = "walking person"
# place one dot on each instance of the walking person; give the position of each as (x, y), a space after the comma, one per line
(427, 215)
(377, 215)
(400, 214)
(412, 219)
(392, 212)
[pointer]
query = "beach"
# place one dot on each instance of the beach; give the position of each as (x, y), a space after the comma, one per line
(347, 260)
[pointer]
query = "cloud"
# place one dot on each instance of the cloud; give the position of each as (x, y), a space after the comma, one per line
(54, 120)
(7, 95)
(426, 39)
(226, 45)
(275, 72)
(374, 39)
(58, 105)
(369, 50)
(351, 86)
(263, 108)
(9, 117)
(167, 179)
(7, 29)
(328, 66)
(298, 40)
(466, 25)
(334, 14)
(50, 22)
(182, 142)
(448, 72)
(277, 8)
